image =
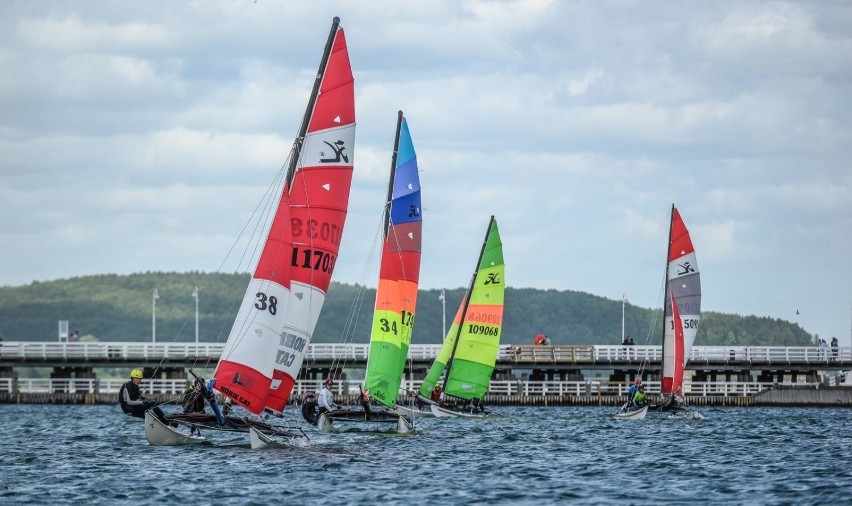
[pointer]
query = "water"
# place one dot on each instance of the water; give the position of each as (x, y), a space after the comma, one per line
(96, 455)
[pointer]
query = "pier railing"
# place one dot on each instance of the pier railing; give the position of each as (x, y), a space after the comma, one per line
(176, 387)
(108, 353)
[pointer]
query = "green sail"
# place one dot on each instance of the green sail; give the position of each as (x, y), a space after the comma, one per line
(470, 350)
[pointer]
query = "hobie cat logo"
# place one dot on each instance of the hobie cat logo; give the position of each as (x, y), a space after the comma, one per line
(338, 147)
(686, 269)
(492, 279)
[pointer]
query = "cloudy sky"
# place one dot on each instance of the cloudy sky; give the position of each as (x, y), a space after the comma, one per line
(140, 136)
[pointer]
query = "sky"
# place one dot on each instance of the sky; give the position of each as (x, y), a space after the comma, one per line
(140, 136)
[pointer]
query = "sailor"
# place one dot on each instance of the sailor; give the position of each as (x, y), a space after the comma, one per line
(436, 393)
(132, 401)
(326, 399)
(639, 397)
(193, 399)
(309, 408)
(632, 390)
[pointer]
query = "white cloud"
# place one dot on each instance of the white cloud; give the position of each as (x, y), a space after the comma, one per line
(140, 137)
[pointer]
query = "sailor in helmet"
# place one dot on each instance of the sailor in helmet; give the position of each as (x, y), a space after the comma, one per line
(326, 399)
(132, 401)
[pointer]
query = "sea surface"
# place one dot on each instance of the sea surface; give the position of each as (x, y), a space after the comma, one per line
(64, 454)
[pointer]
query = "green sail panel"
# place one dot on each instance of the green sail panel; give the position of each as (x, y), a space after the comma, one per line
(433, 377)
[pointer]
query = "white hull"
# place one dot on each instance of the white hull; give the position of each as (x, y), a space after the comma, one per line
(638, 414)
(406, 411)
(160, 434)
(440, 412)
(260, 440)
(403, 424)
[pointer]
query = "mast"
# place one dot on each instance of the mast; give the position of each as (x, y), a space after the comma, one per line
(295, 152)
(389, 199)
(467, 301)
(666, 278)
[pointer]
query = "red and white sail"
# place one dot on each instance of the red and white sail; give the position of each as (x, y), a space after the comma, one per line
(282, 304)
(683, 288)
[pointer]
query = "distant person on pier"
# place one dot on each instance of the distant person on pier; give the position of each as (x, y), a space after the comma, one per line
(539, 340)
(834, 348)
(326, 399)
(132, 401)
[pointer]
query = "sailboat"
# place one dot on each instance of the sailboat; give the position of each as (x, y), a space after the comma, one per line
(276, 319)
(682, 311)
(396, 296)
(466, 359)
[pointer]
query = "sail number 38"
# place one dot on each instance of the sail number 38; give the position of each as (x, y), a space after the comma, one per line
(264, 303)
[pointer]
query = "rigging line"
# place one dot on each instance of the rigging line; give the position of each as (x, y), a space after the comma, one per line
(351, 322)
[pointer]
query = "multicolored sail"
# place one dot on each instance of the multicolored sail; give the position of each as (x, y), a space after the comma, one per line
(396, 296)
(470, 350)
(279, 312)
(683, 285)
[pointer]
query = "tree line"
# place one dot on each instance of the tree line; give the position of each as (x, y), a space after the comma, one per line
(112, 307)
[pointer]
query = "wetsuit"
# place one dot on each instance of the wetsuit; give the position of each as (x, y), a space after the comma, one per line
(133, 403)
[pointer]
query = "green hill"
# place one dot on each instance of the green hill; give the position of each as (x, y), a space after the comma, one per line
(119, 308)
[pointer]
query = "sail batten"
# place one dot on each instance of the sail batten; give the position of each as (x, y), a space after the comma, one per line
(399, 273)
(278, 314)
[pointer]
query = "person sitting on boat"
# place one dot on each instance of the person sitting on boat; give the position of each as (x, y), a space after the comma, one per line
(193, 399)
(364, 397)
(436, 393)
(632, 390)
(132, 401)
(678, 397)
(639, 398)
(326, 399)
(309, 408)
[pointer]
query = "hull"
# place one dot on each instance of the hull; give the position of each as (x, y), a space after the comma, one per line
(160, 434)
(447, 412)
(636, 414)
(377, 421)
(260, 440)
(413, 411)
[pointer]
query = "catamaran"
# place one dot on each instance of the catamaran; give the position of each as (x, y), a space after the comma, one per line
(276, 319)
(396, 297)
(682, 306)
(466, 359)
(682, 310)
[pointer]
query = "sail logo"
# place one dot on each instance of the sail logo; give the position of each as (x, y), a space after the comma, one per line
(413, 211)
(287, 348)
(686, 269)
(338, 147)
(492, 279)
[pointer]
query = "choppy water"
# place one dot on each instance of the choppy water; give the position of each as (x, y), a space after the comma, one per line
(96, 455)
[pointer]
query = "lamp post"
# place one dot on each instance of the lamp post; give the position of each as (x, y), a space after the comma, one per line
(623, 301)
(195, 296)
(443, 300)
(154, 316)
